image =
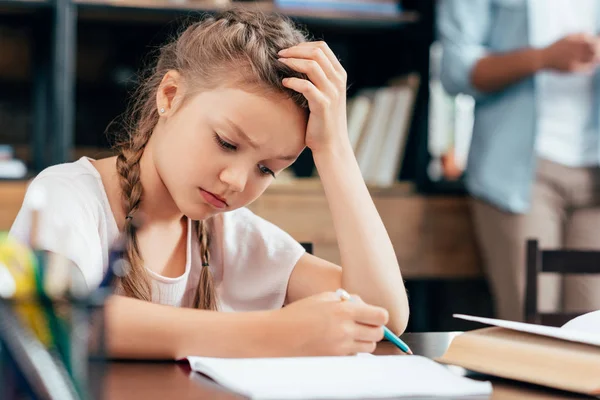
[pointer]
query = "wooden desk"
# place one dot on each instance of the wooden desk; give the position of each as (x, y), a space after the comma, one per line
(135, 380)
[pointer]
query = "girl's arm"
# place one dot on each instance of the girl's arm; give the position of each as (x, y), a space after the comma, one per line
(316, 326)
(369, 264)
(143, 330)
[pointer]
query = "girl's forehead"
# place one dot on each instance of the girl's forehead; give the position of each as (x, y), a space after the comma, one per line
(252, 111)
(265, 121)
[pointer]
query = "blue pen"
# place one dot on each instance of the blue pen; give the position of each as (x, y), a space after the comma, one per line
(343, 295)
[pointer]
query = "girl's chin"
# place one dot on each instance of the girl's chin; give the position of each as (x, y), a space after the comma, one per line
(198, 212)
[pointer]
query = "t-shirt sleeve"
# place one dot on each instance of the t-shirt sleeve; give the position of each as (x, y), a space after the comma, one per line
(66, 225)
(259, 258)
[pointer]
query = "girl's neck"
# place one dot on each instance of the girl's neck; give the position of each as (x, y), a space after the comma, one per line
(157, 204)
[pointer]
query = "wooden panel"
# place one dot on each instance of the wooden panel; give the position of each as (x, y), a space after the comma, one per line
(432, 236)
(11, 197)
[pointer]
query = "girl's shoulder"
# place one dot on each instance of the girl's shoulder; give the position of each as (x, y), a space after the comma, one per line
(79, 179)
(77, 173)
(73, 217)
(71, 191)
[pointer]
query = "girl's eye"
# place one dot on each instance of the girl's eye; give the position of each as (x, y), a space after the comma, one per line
(225, 145)
(265, 171)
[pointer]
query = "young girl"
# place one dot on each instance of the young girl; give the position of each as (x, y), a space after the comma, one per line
(230, 104)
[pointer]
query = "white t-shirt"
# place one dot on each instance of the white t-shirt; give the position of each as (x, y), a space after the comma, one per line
(567, 130)
(251, 259)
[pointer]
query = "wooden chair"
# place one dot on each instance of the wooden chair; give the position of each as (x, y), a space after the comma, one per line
(559, 261)
(308, 246)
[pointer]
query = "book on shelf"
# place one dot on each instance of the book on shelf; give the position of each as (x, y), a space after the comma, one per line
(11, 167)
(565, 358)
(379, 122)
(450, 124)
(374, 133)
(160, 4)
(372, 7)
(358, 108)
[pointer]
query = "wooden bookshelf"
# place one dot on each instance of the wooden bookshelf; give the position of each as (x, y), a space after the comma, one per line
(55, 123)
(433, 236)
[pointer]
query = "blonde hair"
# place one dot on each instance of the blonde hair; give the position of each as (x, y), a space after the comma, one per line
(234, 48)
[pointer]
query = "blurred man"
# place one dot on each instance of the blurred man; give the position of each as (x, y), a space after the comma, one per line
(531, 66)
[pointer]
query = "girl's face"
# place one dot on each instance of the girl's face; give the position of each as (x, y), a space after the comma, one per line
(221, 149)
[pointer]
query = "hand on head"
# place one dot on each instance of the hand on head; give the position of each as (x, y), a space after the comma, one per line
(325, 91)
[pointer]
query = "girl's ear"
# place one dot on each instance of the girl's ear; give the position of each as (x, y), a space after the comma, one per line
(169, 92)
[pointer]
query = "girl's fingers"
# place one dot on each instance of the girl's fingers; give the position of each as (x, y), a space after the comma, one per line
(316, 100)
(364, 347)
(337, 66)
(314, 72)
(369, 315)
(367, 333)
(312, 53)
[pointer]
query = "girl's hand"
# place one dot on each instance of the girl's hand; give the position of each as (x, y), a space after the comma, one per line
(323, 325)
(325, 91)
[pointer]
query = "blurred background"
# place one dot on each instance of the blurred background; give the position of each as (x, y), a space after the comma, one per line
(67, 68)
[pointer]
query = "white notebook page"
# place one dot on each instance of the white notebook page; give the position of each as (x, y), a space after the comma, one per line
(337, 377)
(589, 322)
(565, 333)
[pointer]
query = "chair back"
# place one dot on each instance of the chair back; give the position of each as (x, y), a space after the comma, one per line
(308, 246)
(563, 262)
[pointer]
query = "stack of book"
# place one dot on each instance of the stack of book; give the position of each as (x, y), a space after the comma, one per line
(379, 121)
(387, 8)
(450, 125)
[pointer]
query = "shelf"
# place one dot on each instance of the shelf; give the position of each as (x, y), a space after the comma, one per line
(22, 6)
(350, 19)
(23, 152)
(25, 3)
(291, 186)
(149, 10)
(12, 193)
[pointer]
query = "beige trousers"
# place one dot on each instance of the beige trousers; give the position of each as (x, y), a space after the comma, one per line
(565, 213)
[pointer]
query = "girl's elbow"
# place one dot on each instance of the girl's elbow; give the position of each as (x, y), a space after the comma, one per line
(398, 322)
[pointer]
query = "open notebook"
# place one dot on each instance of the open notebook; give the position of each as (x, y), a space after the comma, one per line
(337, 377)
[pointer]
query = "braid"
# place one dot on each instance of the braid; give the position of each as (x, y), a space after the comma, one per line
(135, 283)
(206, 297)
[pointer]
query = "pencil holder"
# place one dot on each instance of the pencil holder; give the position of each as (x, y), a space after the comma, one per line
(53, 348)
